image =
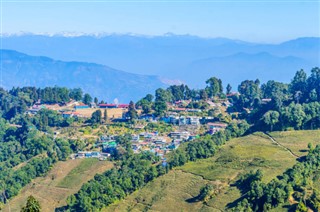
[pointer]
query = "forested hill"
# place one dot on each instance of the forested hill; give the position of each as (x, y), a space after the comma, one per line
(101, 81)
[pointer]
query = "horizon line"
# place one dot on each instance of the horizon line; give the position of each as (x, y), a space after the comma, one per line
(70, 34)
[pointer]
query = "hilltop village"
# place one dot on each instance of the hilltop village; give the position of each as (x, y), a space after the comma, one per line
(182, 124)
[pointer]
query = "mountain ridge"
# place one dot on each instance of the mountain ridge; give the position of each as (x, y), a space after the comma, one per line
(104, 82)
(172, 56)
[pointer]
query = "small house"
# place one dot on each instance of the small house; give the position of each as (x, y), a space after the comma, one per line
(215, 127)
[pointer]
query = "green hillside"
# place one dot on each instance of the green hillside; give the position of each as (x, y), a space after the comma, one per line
(64, 179)
(177, 191)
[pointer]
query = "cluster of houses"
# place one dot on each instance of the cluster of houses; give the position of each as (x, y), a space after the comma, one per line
(148, 141)
(181, 120)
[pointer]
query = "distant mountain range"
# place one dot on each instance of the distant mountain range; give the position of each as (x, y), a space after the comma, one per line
(185, 58)
(98, 80)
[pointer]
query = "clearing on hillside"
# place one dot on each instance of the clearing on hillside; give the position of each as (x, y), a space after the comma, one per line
(297, 141)
(178, 189)
(64, 179)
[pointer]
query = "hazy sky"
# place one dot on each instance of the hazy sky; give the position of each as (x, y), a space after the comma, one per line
(263, 21)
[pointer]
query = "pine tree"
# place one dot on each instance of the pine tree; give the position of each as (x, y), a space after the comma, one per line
(32, 205)
(132, 113)
(229, 88)
(105, 116)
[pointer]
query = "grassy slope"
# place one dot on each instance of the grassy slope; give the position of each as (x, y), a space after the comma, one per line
(167, 193)
(292, 140)
(64, 179)
(171, 192)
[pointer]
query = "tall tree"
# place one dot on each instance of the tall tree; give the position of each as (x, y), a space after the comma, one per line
(229, 88)
(149, 97)
(96, 117)
(298, 86)
(132, 112)
(32, 205)
(271, 118)
(163, 95)
(277, 92)
(206, 193)
(203, 94)
(214, 86)
(314, 83)
(95, 100)
(87, 99)
(105, 115)
(76, 94)
(250, 91)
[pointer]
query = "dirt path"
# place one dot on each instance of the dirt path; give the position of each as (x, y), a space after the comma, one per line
(280, 145)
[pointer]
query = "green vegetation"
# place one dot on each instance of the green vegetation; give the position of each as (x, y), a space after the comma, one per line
(25, 144)
(238, 174)
(243, 154)
(32, 205)
(235, 160)
(295, 183)
(297, 141)
(96, 117)
(76, 174)
(295, 105)
(46, 189)
(132, 112)
(136, 170)
(170, 192)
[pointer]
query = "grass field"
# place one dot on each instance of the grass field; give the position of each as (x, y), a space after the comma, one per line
(64, 179)
(174, 191)
(243, 154)
(298, 141)
(81, 172)
(167, 193)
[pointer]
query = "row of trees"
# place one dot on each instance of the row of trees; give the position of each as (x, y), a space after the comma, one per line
(302, 89)
(48, 94)
(297, 116)
(177, 93)
(18, 100)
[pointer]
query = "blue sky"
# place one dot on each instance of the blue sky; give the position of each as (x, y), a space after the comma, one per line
(258, 21)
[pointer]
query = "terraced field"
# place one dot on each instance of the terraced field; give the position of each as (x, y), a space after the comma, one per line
(65, 178)
(167, 193)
